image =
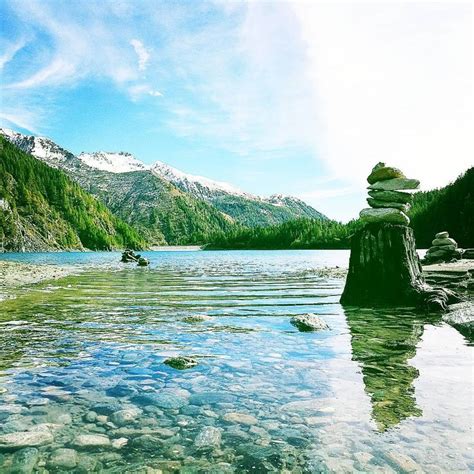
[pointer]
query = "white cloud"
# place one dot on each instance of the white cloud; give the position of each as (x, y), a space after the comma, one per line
(137, 91)
(10, 51)
(393, 83)
(142, 53)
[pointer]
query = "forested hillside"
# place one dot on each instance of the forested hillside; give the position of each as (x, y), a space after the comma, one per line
(298, 234)
(41, 208)
(450, 208)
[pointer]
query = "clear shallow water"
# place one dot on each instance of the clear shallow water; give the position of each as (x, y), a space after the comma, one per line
(380, 391)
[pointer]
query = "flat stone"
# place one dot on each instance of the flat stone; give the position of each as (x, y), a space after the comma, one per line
(181, 362)
(444, 241)
(63, 458)
(402, 197)
(24, 461)
(391, 216)
(242, 418)
(403, 462)
(442, 248)
(385, 204)
(308, 322)
(25, 439)
(442, 235)
(91, 441)
(380, 172)
(125, 417)
(210, 398)
(396, 184)
(161, 400)
(209, 437)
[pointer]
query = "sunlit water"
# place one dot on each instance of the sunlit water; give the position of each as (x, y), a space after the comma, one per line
(380, 391)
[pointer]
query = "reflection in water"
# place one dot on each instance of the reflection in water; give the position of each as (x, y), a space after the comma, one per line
(383, 342)
(84, 357)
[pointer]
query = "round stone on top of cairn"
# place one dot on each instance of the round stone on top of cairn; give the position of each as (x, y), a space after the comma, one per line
(390, 194)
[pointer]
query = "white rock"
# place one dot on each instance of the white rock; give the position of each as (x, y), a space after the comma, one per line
(125, 417)
(242, 418)
(309, 322)
(91, 441)
(25, 439)
(389, 215)
(208, 437)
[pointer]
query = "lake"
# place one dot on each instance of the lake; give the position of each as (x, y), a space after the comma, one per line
(83, 383)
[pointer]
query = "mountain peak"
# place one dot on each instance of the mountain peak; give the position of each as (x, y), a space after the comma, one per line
(114, 162)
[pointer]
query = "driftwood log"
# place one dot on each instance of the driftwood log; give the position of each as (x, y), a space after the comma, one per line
(384, 270)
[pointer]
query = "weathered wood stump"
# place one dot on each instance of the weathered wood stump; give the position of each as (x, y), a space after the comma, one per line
(384, 270)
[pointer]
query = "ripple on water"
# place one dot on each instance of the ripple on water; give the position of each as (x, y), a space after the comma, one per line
(82, 377)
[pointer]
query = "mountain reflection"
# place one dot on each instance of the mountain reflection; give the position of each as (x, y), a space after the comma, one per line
(383, 342)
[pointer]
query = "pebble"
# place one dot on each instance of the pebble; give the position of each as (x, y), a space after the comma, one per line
(242, 418)
(208, 437)
(125, 417)
(63, 458)
(91, 441)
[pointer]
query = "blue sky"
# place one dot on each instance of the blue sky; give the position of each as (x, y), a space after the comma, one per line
(299, 98)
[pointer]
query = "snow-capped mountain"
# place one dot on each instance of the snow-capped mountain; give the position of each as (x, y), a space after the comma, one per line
(120, 162)
(198, 186)
(105, 173)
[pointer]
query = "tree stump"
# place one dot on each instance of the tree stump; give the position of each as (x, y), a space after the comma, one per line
(384, 270)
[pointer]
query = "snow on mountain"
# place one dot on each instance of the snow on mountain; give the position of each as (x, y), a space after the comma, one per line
(42, 148)
(197, 185)
(120, 162)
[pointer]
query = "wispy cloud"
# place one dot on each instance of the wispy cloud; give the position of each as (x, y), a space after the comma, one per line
(142, 53)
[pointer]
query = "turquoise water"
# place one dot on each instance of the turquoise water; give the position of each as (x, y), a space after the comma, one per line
(381, 391)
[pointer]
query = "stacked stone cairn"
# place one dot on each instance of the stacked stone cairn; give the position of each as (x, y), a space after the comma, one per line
(443, 249)
(390, 196)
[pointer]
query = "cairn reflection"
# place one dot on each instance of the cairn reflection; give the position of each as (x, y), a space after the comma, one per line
(383, 342)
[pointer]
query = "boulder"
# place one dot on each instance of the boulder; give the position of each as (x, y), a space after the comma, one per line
(396, 184)
(443, 242)
(380, 172)
(442, 235)
(402, 197)
(385, 204)
(308, 322)
(390, 216)
(181, 362)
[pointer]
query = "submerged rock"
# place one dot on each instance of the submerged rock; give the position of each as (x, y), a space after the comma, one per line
(181, 362)
(24, 461)
(63, 458)
(143, 262)
(25, 439)
(91, 441)
(208, 438)
(125, 417)
(308, 322)
(391, 216)
(242, 418)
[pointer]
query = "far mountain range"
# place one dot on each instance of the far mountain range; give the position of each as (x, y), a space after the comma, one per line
(166, 205)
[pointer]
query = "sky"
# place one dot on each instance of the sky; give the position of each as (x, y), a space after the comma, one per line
(299, 98)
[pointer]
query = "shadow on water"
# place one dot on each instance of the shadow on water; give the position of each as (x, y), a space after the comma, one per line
(383, 343)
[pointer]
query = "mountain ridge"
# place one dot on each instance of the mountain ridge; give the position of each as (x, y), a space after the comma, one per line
(237, 206)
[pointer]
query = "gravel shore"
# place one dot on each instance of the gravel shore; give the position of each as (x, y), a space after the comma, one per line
(15, 275)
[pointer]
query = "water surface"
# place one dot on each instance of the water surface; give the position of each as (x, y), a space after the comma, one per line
(381, 391)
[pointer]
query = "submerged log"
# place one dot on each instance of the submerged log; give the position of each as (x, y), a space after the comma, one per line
(384, 270)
